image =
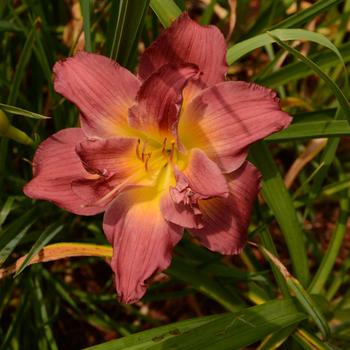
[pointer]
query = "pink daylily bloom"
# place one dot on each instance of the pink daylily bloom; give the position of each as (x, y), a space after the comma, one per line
(158, 153)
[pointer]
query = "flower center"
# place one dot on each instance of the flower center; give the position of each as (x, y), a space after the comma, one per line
(155, 156)
(159, 160)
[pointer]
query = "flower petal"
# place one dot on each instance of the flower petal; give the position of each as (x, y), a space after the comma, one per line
(159, 100)
(204, 176)
(225, 119)
(201, 178)
(180, 213)
(101, 89)
(116, 163)
(112, 156)
(187, 41)
(142, 241)
(95, 192)
(55, 167)
(226, 220)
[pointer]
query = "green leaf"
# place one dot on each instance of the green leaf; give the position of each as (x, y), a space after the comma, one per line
(21, 112)
(316, 129)
(21, 65)
(208, 13)
(267, 242)
(344, 103)
(85, 11)
(7, 249)
(6, 209)
(124, 34)
(310, 342)
(7, 26)
(275, 340)
(335, 187)
(43, 317)
(281, 204)
(329, 259)
(308, 14)
(183, 271)
(147, 338)
(309, 306)
(228, 331)
(238, 330)
(297, 70)
(46, 236)
(301, 294)
(13, 233)
(238, 50)
(16, 322)
(166, 10)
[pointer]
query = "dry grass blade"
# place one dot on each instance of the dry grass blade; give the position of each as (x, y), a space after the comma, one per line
(232, 18)
(60, 251)
(73, 35)
(313, 148)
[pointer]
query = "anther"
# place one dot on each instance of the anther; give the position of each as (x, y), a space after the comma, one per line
(164, 146)
(138, 149)
(147, 158)
(144, 151)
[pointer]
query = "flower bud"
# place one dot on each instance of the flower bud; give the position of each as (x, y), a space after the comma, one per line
(7, 130)
(4, 123)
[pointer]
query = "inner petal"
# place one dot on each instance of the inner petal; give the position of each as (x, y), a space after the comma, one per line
(115, 165)
(200, 179)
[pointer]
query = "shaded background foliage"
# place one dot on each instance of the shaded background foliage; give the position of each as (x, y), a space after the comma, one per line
(301, 215)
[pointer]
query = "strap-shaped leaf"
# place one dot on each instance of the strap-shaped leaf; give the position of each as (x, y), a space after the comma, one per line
(21, 112)
(166, 11)
(228, 331)
(240, 49)
(343, 102)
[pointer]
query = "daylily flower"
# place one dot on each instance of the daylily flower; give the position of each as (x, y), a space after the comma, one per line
(159, 152)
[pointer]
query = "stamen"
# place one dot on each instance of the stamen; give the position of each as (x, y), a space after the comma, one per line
(138, 149)
(148, 157)
(144, 151)
(164, 146)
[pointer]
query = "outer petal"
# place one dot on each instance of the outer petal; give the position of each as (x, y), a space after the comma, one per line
(201, 178)
(226, 220)
(101, 89)
(187, 41)
(55, 167)
(159, 100)
(225, 119)
(142, 241)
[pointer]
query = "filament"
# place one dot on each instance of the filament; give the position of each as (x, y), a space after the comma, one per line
(164, 146)
(138, 149)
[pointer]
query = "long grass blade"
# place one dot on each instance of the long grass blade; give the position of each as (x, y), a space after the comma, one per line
(238, 50)
(21, 112)
(343, 101)
(280, 202)
(301, 294)
(47, 235)
(166, 10)
(125, 34)
(86, 10)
